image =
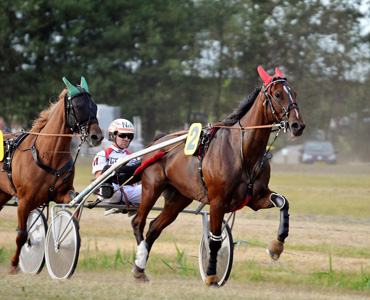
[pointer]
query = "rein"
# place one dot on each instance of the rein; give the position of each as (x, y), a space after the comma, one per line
(50, 134)
(245, 128)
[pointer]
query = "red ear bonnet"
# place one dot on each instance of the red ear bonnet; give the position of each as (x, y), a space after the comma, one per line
(279, 73)
(266, 78)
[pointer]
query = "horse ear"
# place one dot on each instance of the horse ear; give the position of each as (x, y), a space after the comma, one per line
(279, 73)
(72, 90)
(266, 78)
(83, 84)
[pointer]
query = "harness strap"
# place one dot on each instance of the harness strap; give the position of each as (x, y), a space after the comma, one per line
(11, 146)
(57, 173)
(202, 151)
(201, 173)
(48, 169)
(253, 175)
(128, 203)
(248, 198)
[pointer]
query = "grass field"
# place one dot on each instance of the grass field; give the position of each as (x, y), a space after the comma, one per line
(327, 254)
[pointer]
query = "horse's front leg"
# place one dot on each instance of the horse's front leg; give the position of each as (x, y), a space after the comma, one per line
(22, 236)
(272, 199)
(217, 213)
(276, 247)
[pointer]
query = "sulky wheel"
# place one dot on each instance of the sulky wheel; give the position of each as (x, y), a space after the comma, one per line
(224, 257)
(62, 246)
(32, 257)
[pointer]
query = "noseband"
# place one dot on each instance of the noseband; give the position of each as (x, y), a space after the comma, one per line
(75, 114)
(269, 98)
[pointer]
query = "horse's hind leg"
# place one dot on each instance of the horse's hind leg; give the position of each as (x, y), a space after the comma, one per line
(174, 204)
(23, 212)
(150, 194)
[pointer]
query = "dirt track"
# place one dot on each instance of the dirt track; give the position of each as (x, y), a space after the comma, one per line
(312, 239)
(110, 234)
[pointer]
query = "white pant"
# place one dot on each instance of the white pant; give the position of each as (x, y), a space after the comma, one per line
(133, 194)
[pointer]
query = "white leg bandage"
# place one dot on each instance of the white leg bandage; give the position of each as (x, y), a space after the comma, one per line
(141, 255)
(215, 237)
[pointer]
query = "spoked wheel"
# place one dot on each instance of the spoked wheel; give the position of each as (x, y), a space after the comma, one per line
(62, 246)
(224, 257)
(32, 257)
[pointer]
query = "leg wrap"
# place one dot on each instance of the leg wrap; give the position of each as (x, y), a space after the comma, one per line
(23, 233)
(214, 246)
(142, 255)
(280, 202)
(283, 231)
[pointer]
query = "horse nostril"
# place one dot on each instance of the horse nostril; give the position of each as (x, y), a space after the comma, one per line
(295, 126)
(96, 138)
(298, 126)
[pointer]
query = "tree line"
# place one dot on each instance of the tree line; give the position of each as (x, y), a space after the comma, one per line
(178, 61)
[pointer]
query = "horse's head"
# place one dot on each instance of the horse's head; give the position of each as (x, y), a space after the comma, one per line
(80, 112)
(280, 101)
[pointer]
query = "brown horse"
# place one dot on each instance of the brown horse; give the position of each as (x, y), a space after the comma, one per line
(233, 173)
(42, 168)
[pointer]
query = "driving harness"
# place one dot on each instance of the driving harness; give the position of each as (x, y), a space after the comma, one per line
(11, 145)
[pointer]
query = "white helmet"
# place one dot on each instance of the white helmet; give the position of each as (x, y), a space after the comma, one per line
(120, 125)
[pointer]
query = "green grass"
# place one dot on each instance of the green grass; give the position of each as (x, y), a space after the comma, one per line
(184, 266)
(343, 196)
(335, 195)
(328, 276)
(95, 260)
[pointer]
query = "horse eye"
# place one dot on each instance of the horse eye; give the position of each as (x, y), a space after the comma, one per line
(277, 95)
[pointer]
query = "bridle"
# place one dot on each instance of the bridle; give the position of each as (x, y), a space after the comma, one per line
(270, 100)
(80, 113)
(79, 119)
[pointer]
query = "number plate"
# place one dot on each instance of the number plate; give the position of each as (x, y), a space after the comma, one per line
(1, 146)
(193, 139)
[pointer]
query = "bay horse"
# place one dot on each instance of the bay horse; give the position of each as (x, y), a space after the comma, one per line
(41, 167)
(234, 172)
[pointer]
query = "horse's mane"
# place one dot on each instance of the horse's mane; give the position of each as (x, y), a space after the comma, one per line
(40, 122)
(242, 109)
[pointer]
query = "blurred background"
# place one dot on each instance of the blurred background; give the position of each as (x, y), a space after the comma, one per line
(166, 64)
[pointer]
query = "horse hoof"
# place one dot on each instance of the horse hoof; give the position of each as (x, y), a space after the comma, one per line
(212, 280)
(139, 274)
(13, 270)
(275, 249)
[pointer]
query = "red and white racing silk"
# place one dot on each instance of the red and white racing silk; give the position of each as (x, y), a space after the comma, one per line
(109, 156)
